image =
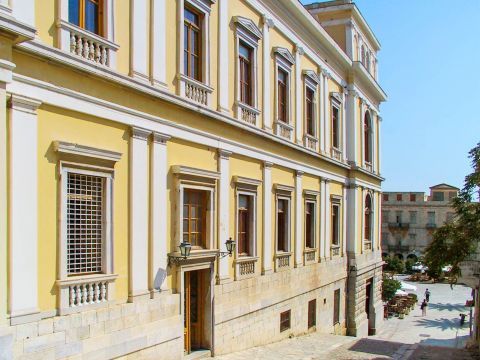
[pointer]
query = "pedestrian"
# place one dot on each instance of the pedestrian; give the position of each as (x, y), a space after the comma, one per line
(424, 307)
(427, 295)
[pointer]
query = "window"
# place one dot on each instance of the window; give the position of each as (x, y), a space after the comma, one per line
(335, 127)
(431, 217)
(399, 197)
(336, 307)
(367, 138)
(312, 313)
(309, 111)
(385, 216)
(245, 57)
(282, 86)
(285, 320)
(398, 216)
(413, 217)
(438, 196)
(451, 195)
(85, 208)
(192, 38)
(86, 14)
(283, 215)
(385, 197)
(335, 224)
(245, 224)
(194, 217)
(413, 197)
(368, 218)
(310, 225)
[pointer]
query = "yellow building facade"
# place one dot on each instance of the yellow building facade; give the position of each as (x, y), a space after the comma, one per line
(133, 131)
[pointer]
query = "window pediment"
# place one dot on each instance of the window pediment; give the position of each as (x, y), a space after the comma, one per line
(249, 26)
(312, 77)
(63, 147)
(194, 172)
(285, 54)
(311, 194)
(337, 97)
(244, 182)
(283, 189)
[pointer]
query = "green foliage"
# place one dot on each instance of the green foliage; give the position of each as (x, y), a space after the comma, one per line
(394, 264)
(408, 265)
(389, 288)
(455, 241)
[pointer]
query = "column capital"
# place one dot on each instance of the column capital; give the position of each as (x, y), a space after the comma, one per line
(299, 173)
(140, 133)
(326, 181)
(267, 164)
(160, 138)
(299, 50)
(268, 22)
(24, 104)
(224, 154)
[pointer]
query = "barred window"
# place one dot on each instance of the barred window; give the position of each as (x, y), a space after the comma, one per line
(85, 215)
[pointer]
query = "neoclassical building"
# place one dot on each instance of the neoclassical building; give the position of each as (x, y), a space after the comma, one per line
(409, 219)
(186, 177)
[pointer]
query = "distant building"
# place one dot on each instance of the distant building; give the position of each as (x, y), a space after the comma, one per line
(410, 218)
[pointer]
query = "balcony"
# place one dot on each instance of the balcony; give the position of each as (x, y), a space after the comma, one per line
(335, 250)
(431, 226)
(194, 90)
(310, 142)
(368, 166)
(367, 245)
(245, 267)
(247, 114)
(283, 129)
(336, 154)
(282, 261)
(399, 225)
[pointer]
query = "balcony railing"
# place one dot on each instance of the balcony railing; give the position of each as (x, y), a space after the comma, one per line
(367, 245)
(87, 45)
(335, 250)
(245, 267)
(247, 113)
(195, 90)
(309, 256)
(336, 154)
(284, 130)
(368, 166)
(431, 226)
(310, 142)
(282, 261)
(399, 225)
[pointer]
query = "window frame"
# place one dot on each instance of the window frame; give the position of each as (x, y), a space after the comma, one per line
(252, 238)
(311, 83)
(336, 103)
(284, 61)
(202, 218)
(368, 138)
(82, 16)
(200, 30)
(285, 320)
(335, 203)
(288, 220)
(313, 223)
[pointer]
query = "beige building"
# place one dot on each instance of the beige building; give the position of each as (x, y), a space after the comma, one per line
(133, 130)
(409, 219)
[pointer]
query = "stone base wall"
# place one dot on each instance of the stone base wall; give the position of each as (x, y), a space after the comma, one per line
(147, 329)
(247, 312)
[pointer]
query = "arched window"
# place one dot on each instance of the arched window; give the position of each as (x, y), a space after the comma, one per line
(367, 138)
(368, 218)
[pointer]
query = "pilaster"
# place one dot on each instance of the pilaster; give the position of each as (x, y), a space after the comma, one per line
(158, 36)
(352, 126)
(267, 218)
(352, 219)
(23, 206)
(298, 220)
(158, 220)
(298, 94)
(223, 56)
(223, 212)
(344, 128)
(344, 220)
(328, 219)
(267, 108)
(138, 279)
(139, 36)
(323, 220)
(326, 113)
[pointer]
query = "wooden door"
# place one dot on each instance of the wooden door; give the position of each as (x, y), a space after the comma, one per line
(194, 308)
(368, 291)
(186, 319)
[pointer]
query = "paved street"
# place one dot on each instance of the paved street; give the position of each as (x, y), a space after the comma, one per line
(435, 336)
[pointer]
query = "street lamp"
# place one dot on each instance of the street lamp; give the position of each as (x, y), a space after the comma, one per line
(230, 245)
(185, 248)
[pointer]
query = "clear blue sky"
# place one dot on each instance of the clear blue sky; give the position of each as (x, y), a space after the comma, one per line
(429, 65)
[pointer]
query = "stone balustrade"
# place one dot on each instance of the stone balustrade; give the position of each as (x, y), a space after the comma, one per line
(284, 130)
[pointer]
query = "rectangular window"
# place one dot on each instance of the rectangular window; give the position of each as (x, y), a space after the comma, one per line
(413, 197)
(245, 56)
(438, 196)
(431, 217)
(283, 211)
(285, 320)
(312, 313)
(310, 225)
(398, 216)
(399, 197)
(245, 203)
(413, 217)
(335, 127)
(335, 224)
(85, 223)
(385, 197)
(194, 217)
(192, 44)
(336, 307)
(309, 111)
(282, 95)
(86, 14)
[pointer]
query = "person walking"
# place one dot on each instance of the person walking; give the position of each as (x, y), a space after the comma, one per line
(427, 295)
(424, 307)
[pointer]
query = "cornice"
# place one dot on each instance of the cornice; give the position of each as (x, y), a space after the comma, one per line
(312, 75)
(246, 181)
(160, 138)
(186, 170)
(24, 104)
(224, 154)
(283, 52)
(283, 188)
(248, 25)
(63, 147)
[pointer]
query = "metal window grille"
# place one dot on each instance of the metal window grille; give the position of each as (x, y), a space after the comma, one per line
(85, 204)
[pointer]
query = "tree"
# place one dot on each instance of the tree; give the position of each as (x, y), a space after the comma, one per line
(408, 265)
(389, 287)
(394, 264)
(455, 241)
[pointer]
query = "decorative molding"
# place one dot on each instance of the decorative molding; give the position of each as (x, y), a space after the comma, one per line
(160, 138)
(268, 22)
(284, 53)
(24, 104)
(248, 25)
(311, 193)
(299, 173)
(311, 75)
(204, 5)
(283, 188)
(63, 147)
(336, 96)
(267, 164)
(6, 68)
(299, 50)
(224, 154)
(186, 170)
(246, 181)
(139, 133)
